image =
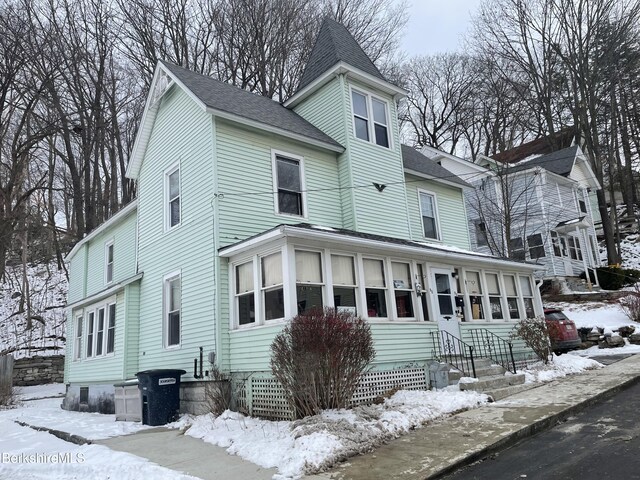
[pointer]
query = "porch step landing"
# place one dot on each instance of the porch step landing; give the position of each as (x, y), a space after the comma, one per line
(492, 379)
(493, 382)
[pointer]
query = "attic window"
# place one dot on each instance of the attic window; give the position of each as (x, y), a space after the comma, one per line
(163, 82)
(365, 127)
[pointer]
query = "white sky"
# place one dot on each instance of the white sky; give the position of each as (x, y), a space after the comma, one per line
(435, 26)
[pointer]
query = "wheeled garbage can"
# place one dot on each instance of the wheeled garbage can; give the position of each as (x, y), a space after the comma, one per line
(160, 392)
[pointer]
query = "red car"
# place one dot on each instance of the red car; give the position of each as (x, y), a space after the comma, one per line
(562, 331)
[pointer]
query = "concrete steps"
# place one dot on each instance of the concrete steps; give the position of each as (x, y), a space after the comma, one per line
(491, 379)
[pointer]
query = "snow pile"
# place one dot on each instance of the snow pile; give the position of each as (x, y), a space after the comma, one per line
(315, 443)
(595, 314)
(561, 366)
(48, 290)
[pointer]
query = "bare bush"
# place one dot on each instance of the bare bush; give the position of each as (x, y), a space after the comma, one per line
(631, 304)
(536, 333)
(218, 391)
(319, 358)
(8, 395)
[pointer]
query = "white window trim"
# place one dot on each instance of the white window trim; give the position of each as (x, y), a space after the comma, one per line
(370, 120)
(107, 245)
(329, 279)
(303, 184)
(94, 308)
(389, 301)
(323, 273)
(235, 295)
(77, 346)
(166, 208)
(165, 309)
(433, 195)
(411, 288)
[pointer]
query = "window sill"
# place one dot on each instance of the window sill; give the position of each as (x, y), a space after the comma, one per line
(291, 216)
(373, 144)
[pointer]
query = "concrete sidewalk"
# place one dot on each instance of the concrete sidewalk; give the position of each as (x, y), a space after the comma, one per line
(172, 449)
(459, 440)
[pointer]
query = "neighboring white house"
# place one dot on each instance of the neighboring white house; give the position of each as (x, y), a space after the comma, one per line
(540, 208)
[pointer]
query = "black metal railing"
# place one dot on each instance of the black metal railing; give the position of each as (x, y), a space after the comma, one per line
(488, 344)
(450, 349)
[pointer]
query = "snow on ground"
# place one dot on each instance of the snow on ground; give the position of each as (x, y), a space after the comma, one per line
(41, 391)
(48, 290)
(595, 314)
(314, 443)
(27, 454)
(47, 413)
(628, 349)
(561, 366)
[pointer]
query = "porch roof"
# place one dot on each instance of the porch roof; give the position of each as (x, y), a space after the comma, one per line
(352, 238)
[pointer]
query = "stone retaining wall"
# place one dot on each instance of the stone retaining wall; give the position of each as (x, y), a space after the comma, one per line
(38, 370)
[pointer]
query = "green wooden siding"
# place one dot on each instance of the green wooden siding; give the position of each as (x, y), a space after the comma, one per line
(452, 217)
(123, 236)
(383, 213)
(395, 343)
(77, 275)
(245, 177)
(132, 330)
(182, 132)
(105, 369)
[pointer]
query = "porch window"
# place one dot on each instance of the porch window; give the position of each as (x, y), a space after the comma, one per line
(172, 305)
(428, 212)
(375, 287)
(557, 247)
(245, 294)
(90, 333)
(308, 280)
(100, 331)
(111, 328)
(527, 294)
(272, 287)
(474, 289)
(77, 343)
(403, 291)
(289, 186)
(495, 302)
(516, 247)
(536, 246)
(512, 296)
(344, 282)
(575, 252)
(423, 294)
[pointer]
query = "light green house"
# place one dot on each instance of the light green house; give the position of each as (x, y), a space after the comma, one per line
(250, 211)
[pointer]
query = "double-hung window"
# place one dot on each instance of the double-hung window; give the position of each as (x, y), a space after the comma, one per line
(172, 309)
(90, 333)
(555, 241)
(536, 246)
(512, 296)
(344, 282)
(100, 331)
(272, 286)
(516, 246)
(308, 280)
(108, 261)
(403, 289)
(288, 180)
(172, 197)
(77, 342)
(495, 302)
(375, 287)
(111, 328)
(575, 252)
(481, 234)
(245, 294)
(370, 118)
(474, 289)
(527, 294)
(428, 213)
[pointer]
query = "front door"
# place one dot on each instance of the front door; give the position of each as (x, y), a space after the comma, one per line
(444, 301)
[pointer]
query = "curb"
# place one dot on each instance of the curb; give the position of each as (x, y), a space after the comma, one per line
(532, 429)
(67, 437)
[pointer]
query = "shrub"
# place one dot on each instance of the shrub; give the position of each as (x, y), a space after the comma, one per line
(8, 395)
(631, 304)
(614, 278)
(319, 357)
(535, 333)
(218, 391)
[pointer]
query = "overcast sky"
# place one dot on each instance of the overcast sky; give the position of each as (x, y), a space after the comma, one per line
(436, 26)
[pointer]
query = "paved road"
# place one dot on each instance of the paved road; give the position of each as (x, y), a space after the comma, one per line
(602, 442)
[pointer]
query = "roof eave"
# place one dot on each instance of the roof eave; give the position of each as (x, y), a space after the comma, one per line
(466, 186)
(312, 234)
(271, 129)
(344, 68)
(133, 205)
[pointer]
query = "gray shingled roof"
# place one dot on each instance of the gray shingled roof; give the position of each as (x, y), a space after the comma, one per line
(230, 99)
(335, 44)
(560, 162)
(418, 162)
